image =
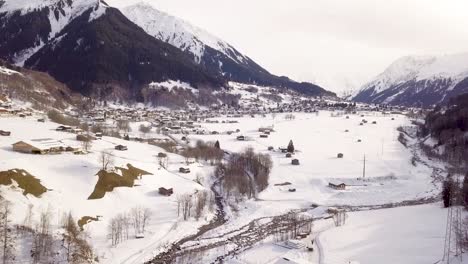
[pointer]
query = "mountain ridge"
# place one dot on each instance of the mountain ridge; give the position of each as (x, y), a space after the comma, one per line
(418, 81)
(210, 51)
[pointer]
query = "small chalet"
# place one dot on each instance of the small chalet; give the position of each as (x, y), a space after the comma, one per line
(64, 128)
(337, 186)
(184, 170)
(241, 138)
(5, 133)
(166, 192)
(121, 147)
(295, 162)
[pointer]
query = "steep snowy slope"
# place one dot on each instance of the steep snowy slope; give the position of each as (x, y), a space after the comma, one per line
(418, 81)
(208, 50)
(46, 18)
(92, 48)
(179, 33)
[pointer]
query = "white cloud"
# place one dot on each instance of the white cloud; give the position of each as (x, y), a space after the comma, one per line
(331, 41)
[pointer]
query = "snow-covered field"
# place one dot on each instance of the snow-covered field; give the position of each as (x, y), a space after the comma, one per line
(318, 138)
(390, 177)
(71, 179)
(413, 234)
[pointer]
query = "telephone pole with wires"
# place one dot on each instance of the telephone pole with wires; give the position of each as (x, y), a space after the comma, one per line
(453, 229)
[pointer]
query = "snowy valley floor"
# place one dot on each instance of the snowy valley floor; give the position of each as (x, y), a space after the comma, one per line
(405, 235)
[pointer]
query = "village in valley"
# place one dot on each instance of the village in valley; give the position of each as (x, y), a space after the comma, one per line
(154, 185)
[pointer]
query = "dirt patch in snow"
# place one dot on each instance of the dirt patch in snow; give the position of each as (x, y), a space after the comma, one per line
(110, 180)
(28, 183)
(86, 220)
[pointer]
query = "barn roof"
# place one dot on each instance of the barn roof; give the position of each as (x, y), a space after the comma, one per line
(43, 143)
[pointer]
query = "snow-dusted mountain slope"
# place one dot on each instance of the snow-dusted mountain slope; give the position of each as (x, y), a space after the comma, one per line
(179, 33)
(88, 45)
(49, 16)
(32, 89)
(418, 81)
(209, 51)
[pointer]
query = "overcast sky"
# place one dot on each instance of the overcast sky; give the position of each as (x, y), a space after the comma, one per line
(336, 43)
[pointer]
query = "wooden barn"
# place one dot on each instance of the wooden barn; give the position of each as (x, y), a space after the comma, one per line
(5, 133)
(337, 186)
(121, 147)
(184, 170)
(41, 146)
(166, 192)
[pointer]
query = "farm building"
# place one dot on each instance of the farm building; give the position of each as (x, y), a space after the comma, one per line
(5, 133)
(184, 170)
(166, 192)
(340, 155)
(121, 147)
(64, 128)
(241, 138)
(41, 146)
(337, 186)
(295, 162)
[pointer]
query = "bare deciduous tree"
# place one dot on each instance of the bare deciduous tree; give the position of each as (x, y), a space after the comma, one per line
(123, 125)
(106, 160)
(201, 199)
(7, 241)
(184, 206)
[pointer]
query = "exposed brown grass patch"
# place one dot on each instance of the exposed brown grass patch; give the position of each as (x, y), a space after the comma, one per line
(110, 180)
(86, 220)
(28, 183)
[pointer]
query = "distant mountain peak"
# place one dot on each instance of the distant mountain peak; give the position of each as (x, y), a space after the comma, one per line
(428, 79)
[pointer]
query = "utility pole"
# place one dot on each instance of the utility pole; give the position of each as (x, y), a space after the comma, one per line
(453, 230)
(382, 146)
(364, 167)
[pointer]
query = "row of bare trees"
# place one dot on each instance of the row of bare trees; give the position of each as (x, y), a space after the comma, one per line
(121, 226)
(194, 205)
(74, 242)
(45, 246)
(7, 242)
(206, 151)
(245, 173)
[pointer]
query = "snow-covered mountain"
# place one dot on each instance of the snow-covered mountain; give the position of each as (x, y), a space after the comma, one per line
(179, 33)
(49, 18)
(93, 48)
(97, 51)
(208, 50)
(418, 81)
